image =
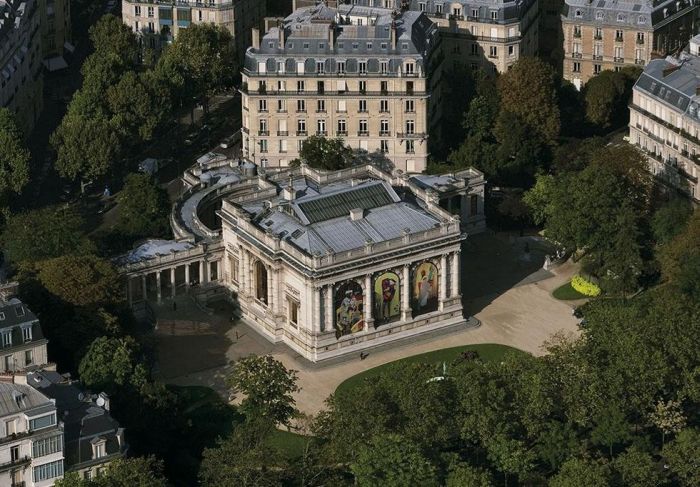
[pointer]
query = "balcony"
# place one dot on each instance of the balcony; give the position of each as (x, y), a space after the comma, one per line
(598, 37)
(640, 41)
(619, 59)
(639, 62)
(321, 133)
(456, 17)
(576, 55)
(363, 133)
(19, 462)
(385, 133)
(619, 39)
(411, 135)
(282, 133)
(577, 34)
(263, 133)
(301, 133)
(341, 133)
(597, 57)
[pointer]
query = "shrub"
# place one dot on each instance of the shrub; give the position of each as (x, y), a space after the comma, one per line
(585, 287)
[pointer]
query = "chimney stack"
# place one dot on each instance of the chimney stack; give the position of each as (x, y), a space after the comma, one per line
(331, 36)
(256, 38)
(280, 29)
(393, 35)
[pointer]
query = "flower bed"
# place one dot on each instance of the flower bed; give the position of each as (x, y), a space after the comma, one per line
(585, 287)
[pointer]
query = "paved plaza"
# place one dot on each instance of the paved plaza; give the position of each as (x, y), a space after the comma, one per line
(504, 287)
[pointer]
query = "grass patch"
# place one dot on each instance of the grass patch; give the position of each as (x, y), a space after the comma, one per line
(567, 293)
(487, 352)
(291, 445)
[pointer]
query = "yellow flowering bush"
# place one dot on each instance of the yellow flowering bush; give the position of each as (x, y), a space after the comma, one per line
(585, 287)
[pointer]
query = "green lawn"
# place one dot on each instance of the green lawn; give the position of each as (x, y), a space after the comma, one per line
(566, 293)
(487, 352)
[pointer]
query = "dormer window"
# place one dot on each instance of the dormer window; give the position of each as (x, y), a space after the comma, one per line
(578, 14)
(620, 18)
(7, 338)
(599, 15)
(98, 448)
(19, 310)
(642, 20)
(2, 316)
(27, 333)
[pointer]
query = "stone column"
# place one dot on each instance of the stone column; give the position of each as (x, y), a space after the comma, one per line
(270, 297)
(456, 266)
(202, 272)
(187, 275)
(329, 308)
(158, 286)
(316, 320)
(172, 282)
(443, 280)
(243, 271)
(276, 302)
(368, 303)
(128, 291)
(406, 294)
(143, 288)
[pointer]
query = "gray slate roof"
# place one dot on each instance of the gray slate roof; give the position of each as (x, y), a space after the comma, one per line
(642, 14)
(673, 82)
(318, 221)
(29, 399)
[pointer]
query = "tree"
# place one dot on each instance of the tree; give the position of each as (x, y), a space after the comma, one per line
(323, 153)
(670, 219)
(668, 417)
(638, 468)
(42, 234)
(577, 472)
(462, 475)
(144, 207)
(202, 56)
(14, 157)
(511, 456)
(529, 91)
(86, 147)
(132, 472)
(110, 36)
(611, 428)
(112, 363)
(604, 98)
(81, 280)
(392, 461)
(676, 253)
(268, 387)
(244, 459)
(519, 155)
(682, 455)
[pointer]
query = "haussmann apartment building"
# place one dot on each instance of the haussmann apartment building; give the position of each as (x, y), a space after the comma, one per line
(607, 34)
(317, 73)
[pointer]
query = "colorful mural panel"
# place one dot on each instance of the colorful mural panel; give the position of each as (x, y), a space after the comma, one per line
(425, 288)
(387, 298)
(349, 316)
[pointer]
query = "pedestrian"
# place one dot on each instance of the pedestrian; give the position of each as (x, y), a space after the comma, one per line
(174, 306)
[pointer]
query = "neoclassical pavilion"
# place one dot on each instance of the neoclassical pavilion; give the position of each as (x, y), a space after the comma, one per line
(326, 262)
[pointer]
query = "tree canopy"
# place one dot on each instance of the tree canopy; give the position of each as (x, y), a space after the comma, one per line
(14, 157)
(144, 207)
(323, 153)
(133, 472)
(81, 279)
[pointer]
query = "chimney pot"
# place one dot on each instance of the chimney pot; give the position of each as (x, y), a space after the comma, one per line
(256, 38)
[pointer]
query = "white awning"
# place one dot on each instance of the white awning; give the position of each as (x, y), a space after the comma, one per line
(69, 47)
(55, 63)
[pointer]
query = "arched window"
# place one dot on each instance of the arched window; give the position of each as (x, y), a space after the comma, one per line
(261, 282)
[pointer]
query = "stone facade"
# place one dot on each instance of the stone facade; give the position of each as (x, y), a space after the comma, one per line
(158, 22)
(22, 343)
(328, 263)
(55, 27)
(21, 79)
(665, 118)
(611, 35)
(376, 86)
(31, 438)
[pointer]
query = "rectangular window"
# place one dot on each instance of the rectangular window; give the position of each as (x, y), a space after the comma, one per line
(410, 67)
(321, 127)
(410, 106)
(300, 86)
(300, 67)
(48, 471)
(28, 357)
(320, 87)
(283, 145)
(363, 127)
(301, 105)
(47, 446)
(494, 14)
(410, 127)
(137, 10)
(293, 313)
(341, 67)
(262, 105)
(473, 205)
(263, 145)
(596, 68)
(321, 106)
(7, 338)
(384, 106)
(363, 87)
(362, 106)
(384, 86)
(384, 127)
(384, 67)
(342, 127)
(410, 148)
(363, 67)
(42, 422)
(281, 106)
(301, 127)
(384, 146)
(320, 67)
(493, 51)
(342, 106)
